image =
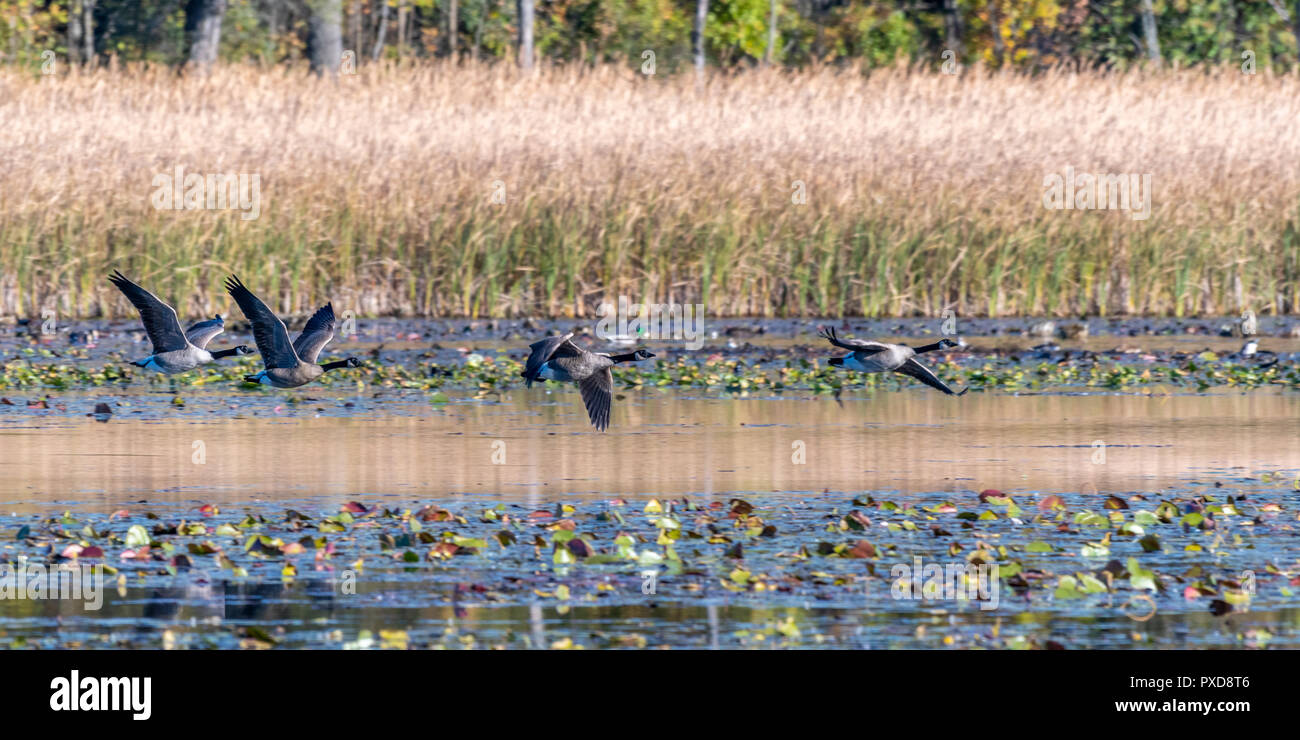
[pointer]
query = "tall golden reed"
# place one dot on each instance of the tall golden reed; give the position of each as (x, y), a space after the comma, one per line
(923, 191)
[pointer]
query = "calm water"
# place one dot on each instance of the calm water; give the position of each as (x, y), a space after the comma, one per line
(800, 460)
(536, 447)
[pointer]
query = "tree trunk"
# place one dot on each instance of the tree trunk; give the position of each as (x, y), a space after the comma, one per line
(203, 31)
(771, 34)
(453, 25)
(1149, 31)
(88, 31)
(383, 30)
(325, 36)
(525, 33)
(697, 34)
(1295, 25)
(401, 28)
(74, 33)
(952, 26)
(996, 23)
(478, 33)
(357, 43)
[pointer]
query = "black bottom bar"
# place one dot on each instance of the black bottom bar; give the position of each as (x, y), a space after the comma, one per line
(292, 690)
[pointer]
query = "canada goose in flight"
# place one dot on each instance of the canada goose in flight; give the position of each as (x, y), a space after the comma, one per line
(288, 365)
(879, 357)
(174, 351)
(558, 358)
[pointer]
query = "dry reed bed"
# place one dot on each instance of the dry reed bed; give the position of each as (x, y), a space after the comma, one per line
(924, 191)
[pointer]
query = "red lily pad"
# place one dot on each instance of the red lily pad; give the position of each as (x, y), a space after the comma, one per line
(862, 549)
(1051, 502)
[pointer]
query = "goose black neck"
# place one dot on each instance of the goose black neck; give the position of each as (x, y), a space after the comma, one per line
(629, 357)
(334, 365)
(225, 353)
(929, 348)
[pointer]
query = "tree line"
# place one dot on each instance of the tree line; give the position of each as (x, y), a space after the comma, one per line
(327, 34)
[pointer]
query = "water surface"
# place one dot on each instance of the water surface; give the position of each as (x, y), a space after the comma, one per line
(536, 446)
(802, 461)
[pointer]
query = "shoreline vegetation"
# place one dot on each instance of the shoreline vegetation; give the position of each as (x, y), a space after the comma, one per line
(470, 190)
(488, 375)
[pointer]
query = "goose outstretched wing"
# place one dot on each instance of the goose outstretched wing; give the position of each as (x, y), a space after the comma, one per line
(597, 393)
(316, 334)
(202, 332)
(159, 319)
(855, 345)
(923, 374)
(270, 332)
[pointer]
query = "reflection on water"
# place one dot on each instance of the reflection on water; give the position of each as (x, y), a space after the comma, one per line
(315, 615)
(536, 446)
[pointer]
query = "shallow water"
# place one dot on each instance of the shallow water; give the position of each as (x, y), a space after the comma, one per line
(534, 446)
(391, 615)
(525, 452)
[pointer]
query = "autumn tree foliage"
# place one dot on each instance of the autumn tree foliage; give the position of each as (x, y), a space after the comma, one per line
(1024, 34)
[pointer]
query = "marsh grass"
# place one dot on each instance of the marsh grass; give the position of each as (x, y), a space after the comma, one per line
(924, 191)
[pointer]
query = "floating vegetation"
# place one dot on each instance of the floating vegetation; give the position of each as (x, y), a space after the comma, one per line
(1056, 570)
(775, 371)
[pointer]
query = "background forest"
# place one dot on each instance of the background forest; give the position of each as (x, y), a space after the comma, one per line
(1021, 33)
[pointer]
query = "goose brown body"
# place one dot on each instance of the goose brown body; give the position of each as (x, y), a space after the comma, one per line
(174, 350)
(288, 364)
(558, 358)
(881, 357)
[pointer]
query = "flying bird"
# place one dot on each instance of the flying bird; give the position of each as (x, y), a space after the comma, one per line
(880, 357)
(558, 358)
(288, 364)
(174, 351)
